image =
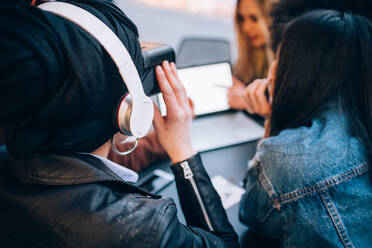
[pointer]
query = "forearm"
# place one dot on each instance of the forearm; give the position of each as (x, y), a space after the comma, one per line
(200, 202)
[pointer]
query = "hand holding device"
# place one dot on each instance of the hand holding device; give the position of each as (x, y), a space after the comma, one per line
(207, 86)
(173, 130)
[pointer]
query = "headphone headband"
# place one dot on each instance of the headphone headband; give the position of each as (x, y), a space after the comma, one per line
(142, 109)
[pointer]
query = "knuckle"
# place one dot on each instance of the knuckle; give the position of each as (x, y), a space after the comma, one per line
(184, 116)
(246, 94)
(180, 115)
(167, 92)
(179, 88)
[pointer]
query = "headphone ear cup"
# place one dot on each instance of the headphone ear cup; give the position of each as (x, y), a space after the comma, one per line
(123, 115)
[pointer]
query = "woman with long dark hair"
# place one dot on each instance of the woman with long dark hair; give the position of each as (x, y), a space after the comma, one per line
(309, 183)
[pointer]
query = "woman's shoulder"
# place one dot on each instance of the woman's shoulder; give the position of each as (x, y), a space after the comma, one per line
(308, 156)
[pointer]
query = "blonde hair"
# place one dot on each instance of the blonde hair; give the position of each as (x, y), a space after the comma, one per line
(253, 62)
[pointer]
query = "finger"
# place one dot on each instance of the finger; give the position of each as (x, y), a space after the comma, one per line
(230, 97)
(230, 92)
(158, 120)
(177, 87)
(249, 108)
(237, 82)
(261, 98)
(253, 92)
(191, 103)
(248, 99)
(174, 70)
(175, 73)
(192, 108)
(256, 92)
(166, 90)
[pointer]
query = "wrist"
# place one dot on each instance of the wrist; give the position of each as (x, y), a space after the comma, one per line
(177, 156)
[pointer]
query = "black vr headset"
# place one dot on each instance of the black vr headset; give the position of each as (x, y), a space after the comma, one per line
(153, 55)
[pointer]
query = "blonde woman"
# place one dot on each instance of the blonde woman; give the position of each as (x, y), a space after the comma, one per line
(254, 55)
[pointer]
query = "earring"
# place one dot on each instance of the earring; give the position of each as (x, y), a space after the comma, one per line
(123, 153)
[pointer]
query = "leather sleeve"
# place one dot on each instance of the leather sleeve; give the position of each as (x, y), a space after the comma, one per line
(198, 233)
(175, 234)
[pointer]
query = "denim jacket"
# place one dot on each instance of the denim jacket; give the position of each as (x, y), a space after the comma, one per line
(310, 187)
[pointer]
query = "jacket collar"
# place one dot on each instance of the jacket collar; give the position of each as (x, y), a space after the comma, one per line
(67, 170)
(61, 170)
(121, 171)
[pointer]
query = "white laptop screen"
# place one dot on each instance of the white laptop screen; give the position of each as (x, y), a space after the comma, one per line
(207, 86)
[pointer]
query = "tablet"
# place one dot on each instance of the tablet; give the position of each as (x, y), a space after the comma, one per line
(207, 86)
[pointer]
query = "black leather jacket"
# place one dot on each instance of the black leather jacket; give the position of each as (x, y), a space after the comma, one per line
(76, 201)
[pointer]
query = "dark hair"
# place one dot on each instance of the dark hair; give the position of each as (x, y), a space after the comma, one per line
(285, 11)
(325, 56)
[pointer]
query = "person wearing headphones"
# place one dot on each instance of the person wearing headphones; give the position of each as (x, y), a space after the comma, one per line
(148, 150)
(64, 95)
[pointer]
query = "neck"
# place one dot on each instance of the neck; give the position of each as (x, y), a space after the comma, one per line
(103, 151)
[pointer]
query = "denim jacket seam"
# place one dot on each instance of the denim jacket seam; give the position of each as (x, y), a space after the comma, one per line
(336, 219)
(262, 217)
(300, 193)
(269, 189)
(276, 147)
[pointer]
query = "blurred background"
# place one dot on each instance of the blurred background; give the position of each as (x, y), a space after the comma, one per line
(170, 21)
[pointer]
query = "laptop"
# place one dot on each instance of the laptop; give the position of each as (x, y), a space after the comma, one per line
(216, 126)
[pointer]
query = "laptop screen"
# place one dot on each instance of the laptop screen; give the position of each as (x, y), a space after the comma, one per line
(207, 86)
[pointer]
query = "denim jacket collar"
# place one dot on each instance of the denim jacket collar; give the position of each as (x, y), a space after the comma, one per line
(314, 154)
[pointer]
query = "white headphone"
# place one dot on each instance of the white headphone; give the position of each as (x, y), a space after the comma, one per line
(135, 110)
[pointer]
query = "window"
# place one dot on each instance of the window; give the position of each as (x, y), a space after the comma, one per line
(169, 21)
